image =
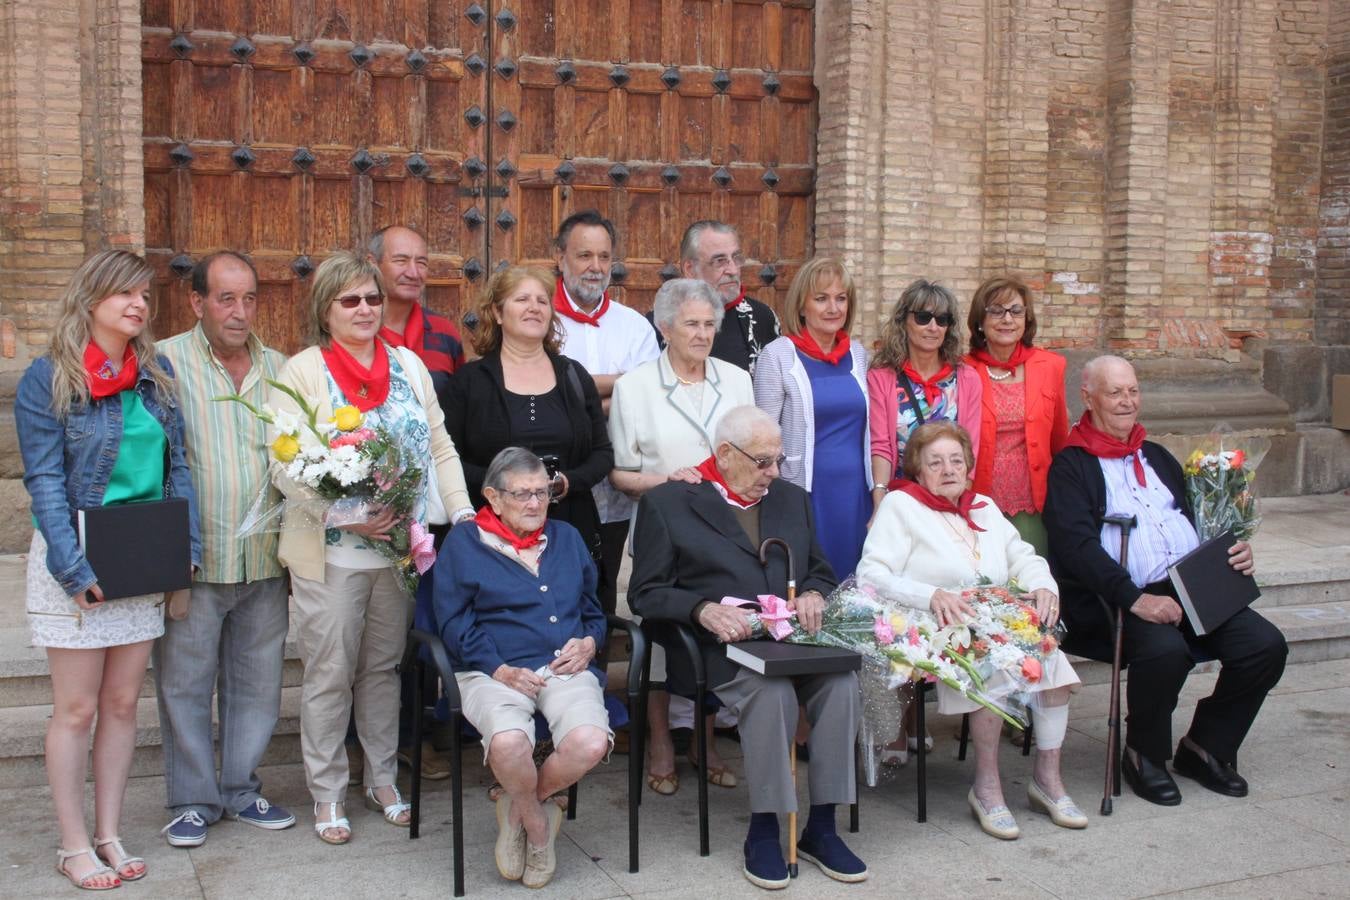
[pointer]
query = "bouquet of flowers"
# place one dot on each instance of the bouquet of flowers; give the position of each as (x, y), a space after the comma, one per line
(353, 471)
(1219, 473)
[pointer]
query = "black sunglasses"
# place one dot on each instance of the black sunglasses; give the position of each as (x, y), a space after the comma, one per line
(762, 462)
(352, 301)
(924, 316)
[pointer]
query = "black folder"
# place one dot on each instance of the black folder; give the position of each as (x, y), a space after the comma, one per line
(1210, 590)
(138, 548)
(773, 658)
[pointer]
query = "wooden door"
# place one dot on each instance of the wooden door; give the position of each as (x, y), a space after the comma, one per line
(658, 113)
(294, 128)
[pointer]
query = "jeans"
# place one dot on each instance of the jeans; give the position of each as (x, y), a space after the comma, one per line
(232, 642)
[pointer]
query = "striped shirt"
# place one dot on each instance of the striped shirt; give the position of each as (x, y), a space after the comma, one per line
(227, 453)
(1163, 534)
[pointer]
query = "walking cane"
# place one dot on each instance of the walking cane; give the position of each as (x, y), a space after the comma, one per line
(792, 742)
(1113, 750)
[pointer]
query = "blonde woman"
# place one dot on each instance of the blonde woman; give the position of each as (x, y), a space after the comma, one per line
(351, 612)
(98, 425)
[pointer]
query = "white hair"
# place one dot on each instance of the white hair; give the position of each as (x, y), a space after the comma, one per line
(1092, 371)
(741, 423)
(676, 292)
(511, 461)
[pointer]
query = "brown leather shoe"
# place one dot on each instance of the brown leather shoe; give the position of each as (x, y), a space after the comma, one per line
(433, 767)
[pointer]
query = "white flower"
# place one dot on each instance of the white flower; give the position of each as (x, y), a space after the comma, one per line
(284, 422)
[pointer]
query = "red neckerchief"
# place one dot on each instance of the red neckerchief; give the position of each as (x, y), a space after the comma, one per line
(807, 344)
(708, 469)
(961, 507)
(732, 304)
(413, 332)
(1021, 353)
(99, 374)
(931, 391)
(1102, 445)
(364, 388)
(563, 304)
(490, 522)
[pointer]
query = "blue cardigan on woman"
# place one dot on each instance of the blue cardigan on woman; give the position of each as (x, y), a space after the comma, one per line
(491, 610)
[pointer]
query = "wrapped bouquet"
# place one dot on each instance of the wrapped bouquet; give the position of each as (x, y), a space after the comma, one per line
(1219, 474)
(352, 472)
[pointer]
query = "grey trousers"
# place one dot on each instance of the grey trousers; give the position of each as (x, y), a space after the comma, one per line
(231, 643)
(767, 708)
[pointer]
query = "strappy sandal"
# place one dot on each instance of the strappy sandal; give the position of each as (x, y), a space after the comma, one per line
(665, 785)
(83, 881)
(334, 823)
(392, 811)
(718, 775)
(120, 867)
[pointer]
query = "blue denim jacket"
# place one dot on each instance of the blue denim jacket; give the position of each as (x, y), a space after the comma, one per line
(66, 464)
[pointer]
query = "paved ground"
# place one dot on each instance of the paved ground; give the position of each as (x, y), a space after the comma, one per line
(1291, 837)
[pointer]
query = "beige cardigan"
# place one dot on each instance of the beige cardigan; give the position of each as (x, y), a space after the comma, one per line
(302, 543)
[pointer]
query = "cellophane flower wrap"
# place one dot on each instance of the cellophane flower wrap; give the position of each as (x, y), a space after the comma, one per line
(1220, 470)
(897, 645)
(351, 471)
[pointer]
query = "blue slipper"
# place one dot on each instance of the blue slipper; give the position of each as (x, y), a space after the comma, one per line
(830, 855)
(765, 866)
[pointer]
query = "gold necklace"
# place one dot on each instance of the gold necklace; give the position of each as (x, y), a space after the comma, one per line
(973, 546)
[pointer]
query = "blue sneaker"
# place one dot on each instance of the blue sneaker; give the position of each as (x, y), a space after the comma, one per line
(830, 855)
(765, 866)
(186, 830)
(264, 815)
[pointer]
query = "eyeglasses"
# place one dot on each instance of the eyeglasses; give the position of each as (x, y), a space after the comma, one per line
(924, 316)
(721, 260)
(540, 494)
(352, 301)
(762, 462)
(1005, 312)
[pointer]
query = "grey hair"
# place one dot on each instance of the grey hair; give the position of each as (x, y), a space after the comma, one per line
(511, 461)
(676, 292)
(694, 233)
(375, 246)
(741, 423)
(1092, 370)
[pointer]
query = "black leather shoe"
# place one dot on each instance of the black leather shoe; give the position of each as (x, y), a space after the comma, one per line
(1219, 777)
(1151, 781)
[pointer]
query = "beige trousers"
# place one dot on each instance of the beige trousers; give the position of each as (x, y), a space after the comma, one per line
(351, 628)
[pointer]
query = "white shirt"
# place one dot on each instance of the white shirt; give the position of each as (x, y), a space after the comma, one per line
(622, 341)
(1163, 534)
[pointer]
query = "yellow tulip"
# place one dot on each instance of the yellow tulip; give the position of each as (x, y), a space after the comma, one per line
(347, 418)
(285, 447)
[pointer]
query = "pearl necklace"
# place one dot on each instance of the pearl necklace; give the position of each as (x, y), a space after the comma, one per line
(1007, 373)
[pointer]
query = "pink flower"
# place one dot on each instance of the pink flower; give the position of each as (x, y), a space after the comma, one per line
(883, 631)
(912, 636)
(421, 547)
(352, 438)
(1031, 669)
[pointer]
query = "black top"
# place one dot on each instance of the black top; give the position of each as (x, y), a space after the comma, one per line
(540, 422)
(746, 330)
(481, 422)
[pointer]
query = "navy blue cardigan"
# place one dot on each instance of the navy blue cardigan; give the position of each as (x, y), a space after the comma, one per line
(490, 610)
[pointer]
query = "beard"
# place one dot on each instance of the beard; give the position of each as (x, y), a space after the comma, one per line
(587, 291)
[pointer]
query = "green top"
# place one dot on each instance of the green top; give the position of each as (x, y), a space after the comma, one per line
(138, 473)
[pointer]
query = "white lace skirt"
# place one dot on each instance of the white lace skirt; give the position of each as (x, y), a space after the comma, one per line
(55, 621)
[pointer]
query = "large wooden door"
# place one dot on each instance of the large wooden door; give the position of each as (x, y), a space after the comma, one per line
(294, 128)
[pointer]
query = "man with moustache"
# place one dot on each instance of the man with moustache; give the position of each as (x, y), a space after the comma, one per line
(232, 638)
(401, 254)
(711, 252)
(608, 339)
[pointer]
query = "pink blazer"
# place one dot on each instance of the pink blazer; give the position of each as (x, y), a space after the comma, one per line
(881, 397)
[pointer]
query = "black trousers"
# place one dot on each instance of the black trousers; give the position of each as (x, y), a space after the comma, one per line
(1251, 653)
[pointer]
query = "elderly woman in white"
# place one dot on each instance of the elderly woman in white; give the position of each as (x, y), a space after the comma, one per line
(931, 538)
(662, 418)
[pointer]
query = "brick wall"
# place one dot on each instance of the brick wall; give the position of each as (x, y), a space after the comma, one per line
(1155, 167)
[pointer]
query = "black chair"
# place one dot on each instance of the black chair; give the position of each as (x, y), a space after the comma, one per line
(690, 646)
(423, 648)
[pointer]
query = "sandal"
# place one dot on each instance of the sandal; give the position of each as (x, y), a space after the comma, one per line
(664, 785)
(718, 775)
(392, 811)
(83, 881)
(334, 823)
(120, 867)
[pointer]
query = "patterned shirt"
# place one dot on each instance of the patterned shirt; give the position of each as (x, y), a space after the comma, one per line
(227, 453)
(944, 407)
(1163, 534)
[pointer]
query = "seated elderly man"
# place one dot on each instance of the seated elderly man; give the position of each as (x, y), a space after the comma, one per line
(1107, 468)
(516, 606)
(695, 543)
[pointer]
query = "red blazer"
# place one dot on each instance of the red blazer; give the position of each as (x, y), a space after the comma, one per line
(1047, 421)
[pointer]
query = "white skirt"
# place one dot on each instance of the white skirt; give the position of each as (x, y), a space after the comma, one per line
(54, 620)
(1056, 672)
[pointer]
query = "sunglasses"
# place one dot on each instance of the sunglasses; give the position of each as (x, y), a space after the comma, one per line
(352, 301)
(924, 316)
(761, 462)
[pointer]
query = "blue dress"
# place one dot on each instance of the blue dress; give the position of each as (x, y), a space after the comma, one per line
(839, 496)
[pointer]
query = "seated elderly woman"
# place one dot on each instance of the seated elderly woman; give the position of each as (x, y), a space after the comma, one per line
(516, 607)
(931, 538)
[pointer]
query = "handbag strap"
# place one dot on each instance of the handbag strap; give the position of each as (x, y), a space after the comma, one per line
(913, 403)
